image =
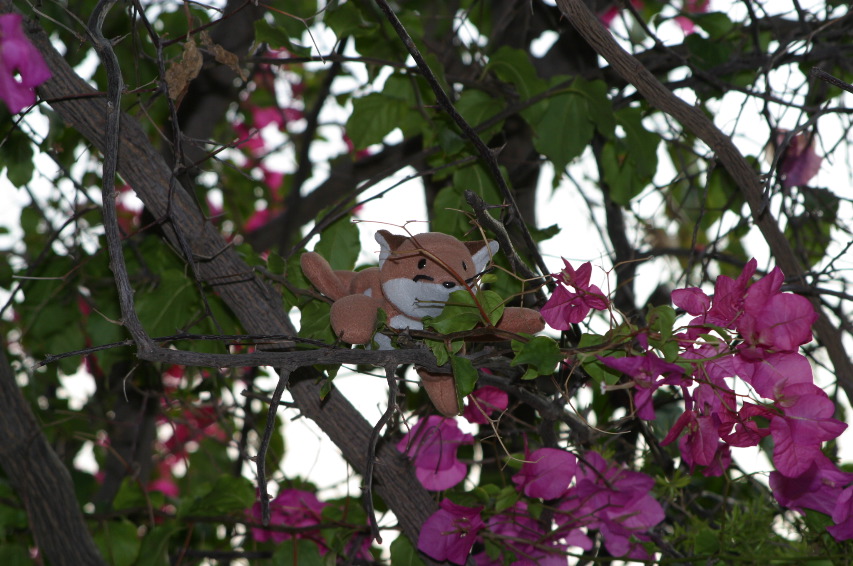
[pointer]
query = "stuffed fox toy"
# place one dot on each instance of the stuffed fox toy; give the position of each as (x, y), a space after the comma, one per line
(415, 278)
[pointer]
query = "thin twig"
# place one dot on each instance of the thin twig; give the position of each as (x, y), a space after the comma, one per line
(826, 77)
(261, 458)
(111, 228)
(367, 487)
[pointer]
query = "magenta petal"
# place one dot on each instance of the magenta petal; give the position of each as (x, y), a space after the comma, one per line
(563, 309)
(800, 162)
(546, 473)
(449, 533)
(19, 56)
(439, 480)
(483, 402)
(692, 300)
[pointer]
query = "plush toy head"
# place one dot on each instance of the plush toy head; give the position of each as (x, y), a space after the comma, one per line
(419, 273)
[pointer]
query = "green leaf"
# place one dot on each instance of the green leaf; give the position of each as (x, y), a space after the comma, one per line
(598, 104)
(597, 370)
(403, 553)
(275, 263)
(619, 174)
(642, 144)
(707, 53)
(506, 498)
(462, 311)
(373, 117)
(15, 555)
(347, 20)
(450, 200)
(514, 66)
(118, 542)
(297, 552)
(717, 24)
(541, 354)
(707, 541)
(227, 495)
(155, 546)
(465, 375)
(169, 305)
(130, 495)
(564, 130)
(339, 244)
(16, 155)
(476, 107)
(661, 320)
(314, 322)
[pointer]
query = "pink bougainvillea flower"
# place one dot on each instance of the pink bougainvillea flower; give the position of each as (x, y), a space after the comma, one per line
(843, 516)
(546, 473)
(700, 444)
(610, 14)
(484, 402)
(432, 444)
(799, 161)
(263, 116)
(566, 307)
(249, 139)
(450, 532)
(293, 508)
(22, 68)
(691, 7)
(258, 219)
(531, 543)
(782, 323)
(645, 370)
(818, 487)
(692, 299)
(805, 425)
(614, 500)
(740, 429)
(771, 373)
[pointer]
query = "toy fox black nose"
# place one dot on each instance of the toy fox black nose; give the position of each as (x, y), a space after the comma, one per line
(449, 284)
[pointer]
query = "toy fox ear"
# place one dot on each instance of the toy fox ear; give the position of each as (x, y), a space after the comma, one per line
(482, 253)
(388, 244)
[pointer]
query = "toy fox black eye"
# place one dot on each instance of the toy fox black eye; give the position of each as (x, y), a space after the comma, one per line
(422, 264)
(449, 284)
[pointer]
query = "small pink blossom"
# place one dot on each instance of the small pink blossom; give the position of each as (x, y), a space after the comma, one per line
(645, 370)
(484, 402)
(614, 500)
(799, 161)
(249, 139)
(566, 307)
(449, 533)
(546, 473)
(432, 444)
(691, 7)
(293, 508)
(258, 219)
(22, 67)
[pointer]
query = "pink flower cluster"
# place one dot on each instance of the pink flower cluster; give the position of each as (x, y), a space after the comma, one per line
(784, 403)
(566, 307)
(590, 494)
(293, 508)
